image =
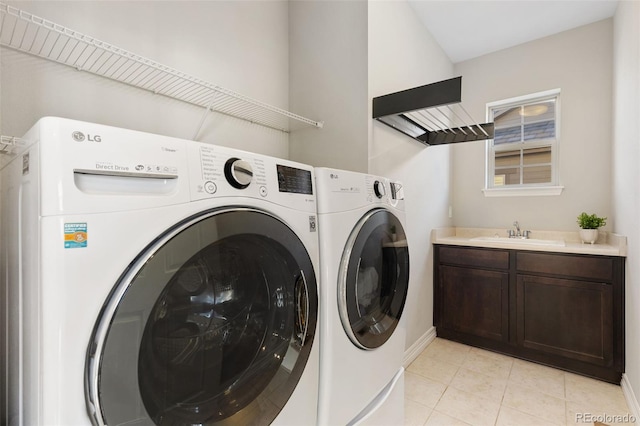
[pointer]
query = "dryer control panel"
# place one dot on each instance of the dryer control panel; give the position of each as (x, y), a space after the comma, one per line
(343, 190)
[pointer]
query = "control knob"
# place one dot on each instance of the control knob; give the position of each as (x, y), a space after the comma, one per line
(378, 189)
(239, 173)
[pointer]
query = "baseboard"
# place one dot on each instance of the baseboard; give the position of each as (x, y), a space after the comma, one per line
(630, 396)
(419, 345)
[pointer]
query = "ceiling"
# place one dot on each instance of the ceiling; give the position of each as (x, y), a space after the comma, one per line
(466, 29)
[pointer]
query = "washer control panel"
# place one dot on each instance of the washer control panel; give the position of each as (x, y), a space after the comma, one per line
(218, 171)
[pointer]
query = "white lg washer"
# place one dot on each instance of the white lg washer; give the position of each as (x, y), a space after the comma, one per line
(149, 280)
(364, 282)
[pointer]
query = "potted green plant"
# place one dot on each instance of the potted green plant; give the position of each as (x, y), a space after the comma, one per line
(589, 224)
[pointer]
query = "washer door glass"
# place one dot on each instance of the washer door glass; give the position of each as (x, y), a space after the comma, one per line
(374, 279)
(212, 324)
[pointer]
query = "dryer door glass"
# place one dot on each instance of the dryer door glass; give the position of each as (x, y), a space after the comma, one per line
(373, 280)
(212, 324)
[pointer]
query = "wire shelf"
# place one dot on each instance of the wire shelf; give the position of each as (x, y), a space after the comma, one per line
(10, 145)
(27, 33)
(10, 148)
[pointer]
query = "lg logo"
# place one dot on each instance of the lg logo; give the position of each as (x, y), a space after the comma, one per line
(333, 176)
(80, 137)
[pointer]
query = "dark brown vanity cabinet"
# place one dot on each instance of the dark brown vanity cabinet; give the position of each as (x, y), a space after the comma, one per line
(564, 310)
(474, 290)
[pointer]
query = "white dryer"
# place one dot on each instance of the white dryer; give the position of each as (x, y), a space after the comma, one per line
(364, 283)
(153, 280)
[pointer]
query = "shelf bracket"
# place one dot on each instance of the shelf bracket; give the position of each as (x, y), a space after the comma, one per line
(206, 112)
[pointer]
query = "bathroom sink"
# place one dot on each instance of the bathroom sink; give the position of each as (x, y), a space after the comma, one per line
(525, 241)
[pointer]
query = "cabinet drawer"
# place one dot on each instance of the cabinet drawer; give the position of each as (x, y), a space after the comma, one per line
(588, 267)
(481, 258)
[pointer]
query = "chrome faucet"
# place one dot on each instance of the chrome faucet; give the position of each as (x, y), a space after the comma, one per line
(517, 233)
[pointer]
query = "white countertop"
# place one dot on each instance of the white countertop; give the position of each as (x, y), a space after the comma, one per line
(608, 244)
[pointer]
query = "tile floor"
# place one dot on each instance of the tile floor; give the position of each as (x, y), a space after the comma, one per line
(454, 384)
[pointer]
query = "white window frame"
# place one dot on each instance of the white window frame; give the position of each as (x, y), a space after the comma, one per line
(538, 189)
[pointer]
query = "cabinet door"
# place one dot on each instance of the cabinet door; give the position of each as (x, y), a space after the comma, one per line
(475, 301)
(572, 319)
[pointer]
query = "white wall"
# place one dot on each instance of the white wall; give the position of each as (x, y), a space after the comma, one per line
(343, 54)
(579, 62)
(241, 46)
(328, 70)
(402, 55)
(625, 166)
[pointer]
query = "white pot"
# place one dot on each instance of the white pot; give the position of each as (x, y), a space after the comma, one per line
(589, 235)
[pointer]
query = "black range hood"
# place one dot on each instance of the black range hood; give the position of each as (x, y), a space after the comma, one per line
(431, 114)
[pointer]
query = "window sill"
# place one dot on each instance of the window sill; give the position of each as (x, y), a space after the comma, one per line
(523, 192)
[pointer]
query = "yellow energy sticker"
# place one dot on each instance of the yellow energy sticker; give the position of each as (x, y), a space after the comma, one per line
(75, 235)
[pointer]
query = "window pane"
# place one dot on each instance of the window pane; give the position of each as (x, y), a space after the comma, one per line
(537, 174)
(507, 117)
(540, 130)
(540, 111)
(507, 135)
(535, 155)
(508, 158)
(510, 176)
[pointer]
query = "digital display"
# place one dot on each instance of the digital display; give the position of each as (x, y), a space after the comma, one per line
(294, 180)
